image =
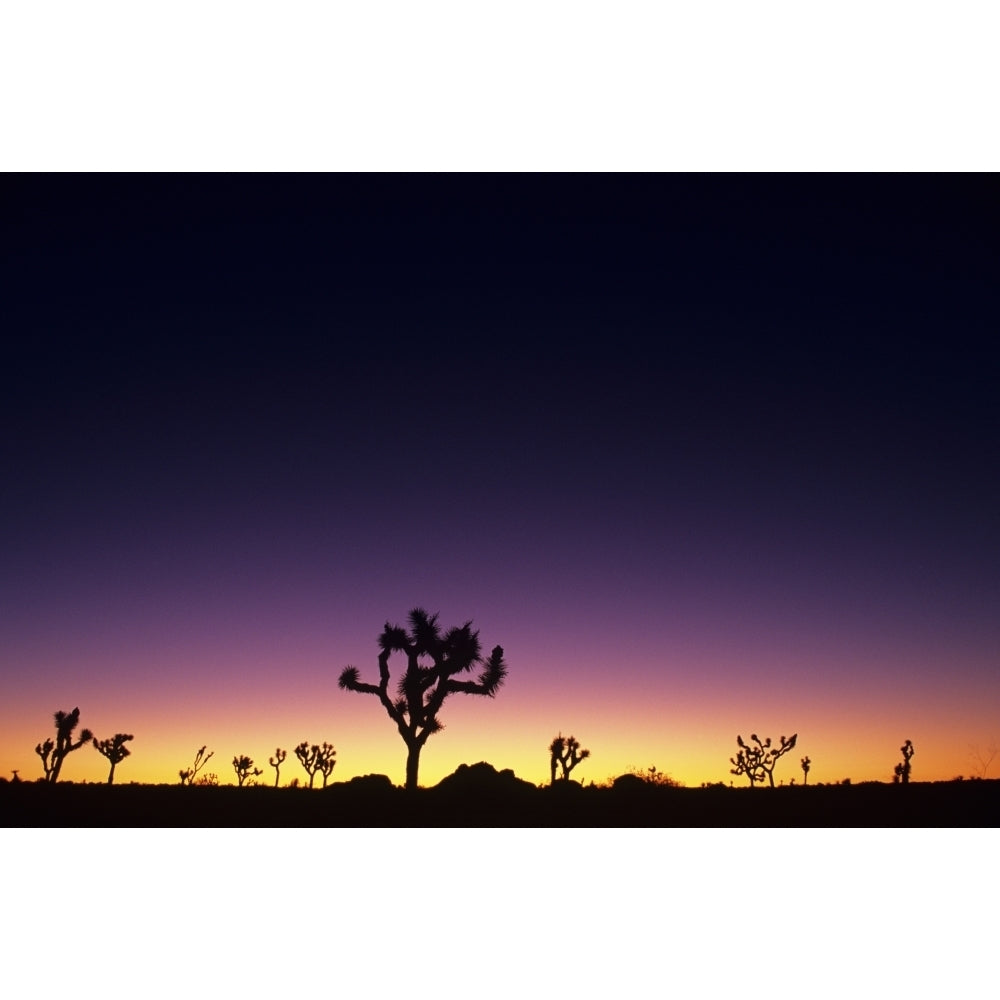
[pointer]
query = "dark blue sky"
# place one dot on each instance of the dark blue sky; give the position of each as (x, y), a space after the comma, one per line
(674, 400)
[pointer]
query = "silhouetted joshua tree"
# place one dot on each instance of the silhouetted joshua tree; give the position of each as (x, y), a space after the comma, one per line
(43, 750)
(757, 761)
(326, 761)
(316, 758)
(565, 752)
(115, 750)
(243, 766)
(806, 763)
(774, 753)
(65, 724)
(433, 662)
(901, 772)
(276, 761)
(188, 775)
(309, 759)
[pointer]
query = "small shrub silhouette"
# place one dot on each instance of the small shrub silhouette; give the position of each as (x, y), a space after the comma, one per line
(53, 753)
(901, 772)
(759, 759)
(189, 774)
(424, 686)
(243, 766)
(565, 752)
(276, 761)
(655, 777)
(115, 750)
(982, 759)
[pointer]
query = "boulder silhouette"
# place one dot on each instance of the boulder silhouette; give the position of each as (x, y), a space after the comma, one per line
(630, 783)
(376, 783)
(483, 779)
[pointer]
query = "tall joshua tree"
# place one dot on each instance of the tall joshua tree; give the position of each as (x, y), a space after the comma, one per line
(276, 761)
(806, 764)
(53, 753)
(565, 752)
(757, 759)
(115, 750)
(901, 772)
(434, 661)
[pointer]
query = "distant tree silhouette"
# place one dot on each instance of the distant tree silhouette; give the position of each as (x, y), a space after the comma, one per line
(189, 774)
(756, 761)
(309, 758)
(276, 761)
(53, 753)
(565, 752)
(48, 763)
(316, 759)
(326, 761)
(806, 762)
(115, 750)
(983, 758)
(901, 772)
(243, 766)
(433, 662)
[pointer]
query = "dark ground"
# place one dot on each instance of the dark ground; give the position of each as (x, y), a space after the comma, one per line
(479, 796)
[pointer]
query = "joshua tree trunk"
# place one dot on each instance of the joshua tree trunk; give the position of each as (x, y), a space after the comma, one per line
(111, 773)
(412, 763)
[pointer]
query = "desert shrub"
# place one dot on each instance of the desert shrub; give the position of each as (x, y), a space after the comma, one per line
(653, 776)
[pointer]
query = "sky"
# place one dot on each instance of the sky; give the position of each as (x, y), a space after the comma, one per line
(707, 455)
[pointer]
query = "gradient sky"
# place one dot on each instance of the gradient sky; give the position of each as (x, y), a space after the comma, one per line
(706, 456)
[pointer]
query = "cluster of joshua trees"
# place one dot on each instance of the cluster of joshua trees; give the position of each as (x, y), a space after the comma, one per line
(757, 759)
(435, 662)
(315, 758)
(54, 752)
